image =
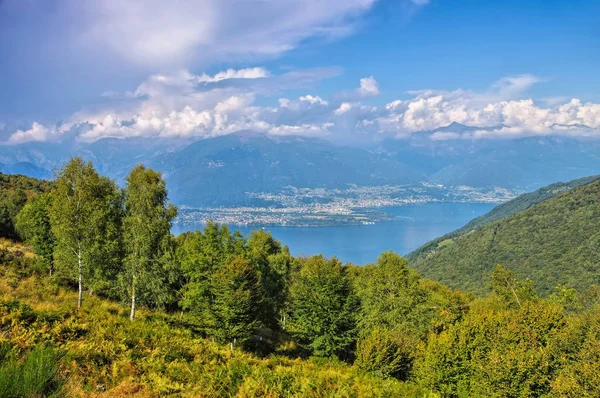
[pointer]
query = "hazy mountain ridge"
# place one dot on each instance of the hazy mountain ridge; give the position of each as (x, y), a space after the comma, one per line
(224, 170)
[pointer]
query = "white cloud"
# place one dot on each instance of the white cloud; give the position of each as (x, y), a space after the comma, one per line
(37, 132)
(158, 33)
(303, 129)
(434, 110)
(177, 105)
(368, 87)
(313, 100)
(248, 73)
(344, 107)
(512, 86)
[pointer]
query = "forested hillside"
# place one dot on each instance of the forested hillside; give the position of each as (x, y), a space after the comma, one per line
(102, 300)
(554, 242)
(14, 192)
(511, 207)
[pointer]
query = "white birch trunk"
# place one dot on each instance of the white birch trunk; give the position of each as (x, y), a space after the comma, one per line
(80, 279)
(132, 314)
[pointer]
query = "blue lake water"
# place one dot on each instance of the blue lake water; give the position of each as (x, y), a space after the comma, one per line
(410, 227)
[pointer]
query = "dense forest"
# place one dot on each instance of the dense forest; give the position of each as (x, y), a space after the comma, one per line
(98, 298)
(555, 242)
(520, 203)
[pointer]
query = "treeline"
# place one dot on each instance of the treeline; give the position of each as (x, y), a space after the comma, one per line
(553, 242)
(14, 193)
(251, 293)
(116, 243)
(516, 205)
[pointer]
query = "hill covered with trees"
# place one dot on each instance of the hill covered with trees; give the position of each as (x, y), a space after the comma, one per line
(102, 300)
(554, 242)
(511, 207)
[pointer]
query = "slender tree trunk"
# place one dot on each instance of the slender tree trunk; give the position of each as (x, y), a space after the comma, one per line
(132, 314)
(80, 279)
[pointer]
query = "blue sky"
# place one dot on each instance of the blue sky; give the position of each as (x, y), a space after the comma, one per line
(123, 68)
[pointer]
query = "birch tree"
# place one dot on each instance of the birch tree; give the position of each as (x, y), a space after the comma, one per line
(146, 230)
(82, 203)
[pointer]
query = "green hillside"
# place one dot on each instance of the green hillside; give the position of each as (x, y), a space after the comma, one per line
(15, 190)
(554, 242)
(511, 207)
(103, 301)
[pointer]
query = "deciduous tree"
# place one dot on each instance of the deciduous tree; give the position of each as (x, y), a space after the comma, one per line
(146, 229)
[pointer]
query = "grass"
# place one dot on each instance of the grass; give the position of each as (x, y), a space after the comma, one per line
(103, 354)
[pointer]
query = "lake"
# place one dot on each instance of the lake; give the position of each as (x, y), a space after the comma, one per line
(410, 227)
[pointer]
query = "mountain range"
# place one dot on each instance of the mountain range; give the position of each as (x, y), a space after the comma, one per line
(221, 171)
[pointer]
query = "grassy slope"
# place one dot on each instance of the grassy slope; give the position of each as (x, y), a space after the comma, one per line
(156, 355)
(520, 203)
(554, 242)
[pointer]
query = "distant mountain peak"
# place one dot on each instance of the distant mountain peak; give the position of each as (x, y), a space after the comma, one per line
(456, 127)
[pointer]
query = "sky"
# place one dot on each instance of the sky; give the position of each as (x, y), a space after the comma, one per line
(344, 70)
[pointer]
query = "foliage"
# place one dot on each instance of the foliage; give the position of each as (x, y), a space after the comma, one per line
(386, 352)
(406, 335)
(85, 215)
(36, 376)
(323, 306)
(201, 255)
(554, 242)
(520, 203)
(236, 292)
(14, 192)
(273, 264)
(496, 352)
(106, 355)
(146, 228)
(33, 225)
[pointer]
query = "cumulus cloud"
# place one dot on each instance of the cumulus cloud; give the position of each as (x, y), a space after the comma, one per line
(368, 87)
(182, 105)
(429, 111)
(37, 132)
(343, 108)
(313, 100)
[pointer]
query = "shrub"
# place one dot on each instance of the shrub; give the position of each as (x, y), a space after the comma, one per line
(385, 353)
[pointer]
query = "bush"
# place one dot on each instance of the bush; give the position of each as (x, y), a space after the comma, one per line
(386, 353)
